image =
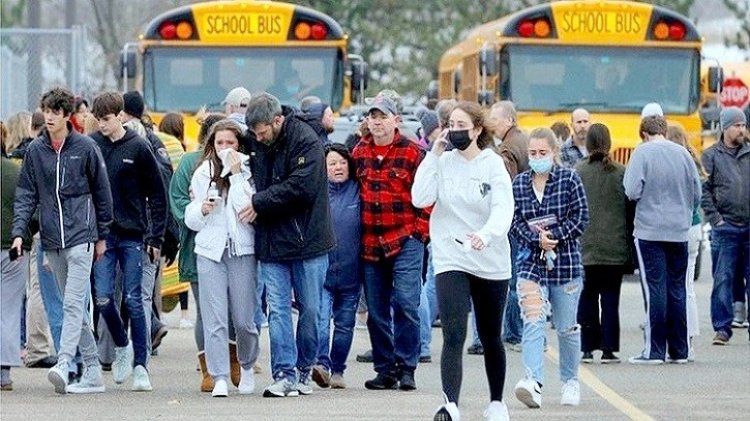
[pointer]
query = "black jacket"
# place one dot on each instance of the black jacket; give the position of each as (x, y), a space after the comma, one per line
(294, 220)
(136, 183)
(71, 190)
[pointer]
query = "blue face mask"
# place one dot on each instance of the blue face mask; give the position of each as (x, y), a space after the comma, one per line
(541, 165)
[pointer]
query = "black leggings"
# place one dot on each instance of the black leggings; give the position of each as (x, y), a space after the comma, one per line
(454, 289)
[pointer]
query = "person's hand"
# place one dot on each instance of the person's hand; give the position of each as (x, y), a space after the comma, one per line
(154, 254)
(207, 206)
(439, 145)
(99, 249)
(247, 215)
(233, 160)
(476, 242)
(18, 245)
(545, 242)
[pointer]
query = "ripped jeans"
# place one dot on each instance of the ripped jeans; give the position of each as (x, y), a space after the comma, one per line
(536, 301)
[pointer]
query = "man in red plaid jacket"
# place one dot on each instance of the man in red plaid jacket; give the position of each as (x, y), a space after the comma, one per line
(394, 233)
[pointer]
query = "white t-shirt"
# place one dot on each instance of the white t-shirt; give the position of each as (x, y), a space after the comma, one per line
(470, 197)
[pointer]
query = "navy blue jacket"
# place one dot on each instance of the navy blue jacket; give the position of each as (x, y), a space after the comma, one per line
(344, 259)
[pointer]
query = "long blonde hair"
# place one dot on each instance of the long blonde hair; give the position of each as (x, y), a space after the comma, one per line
(19, 128)
(676, 133)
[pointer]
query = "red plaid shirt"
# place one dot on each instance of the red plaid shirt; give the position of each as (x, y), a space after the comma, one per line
(388, 217)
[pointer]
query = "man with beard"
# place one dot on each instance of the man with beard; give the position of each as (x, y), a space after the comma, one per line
(574, 149)
(726, 203)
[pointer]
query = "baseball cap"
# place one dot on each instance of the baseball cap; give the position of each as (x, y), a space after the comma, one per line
(237, 97)
(384, 105)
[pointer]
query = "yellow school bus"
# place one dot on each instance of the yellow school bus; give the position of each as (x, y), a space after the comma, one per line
(194, 55)
(609, 57)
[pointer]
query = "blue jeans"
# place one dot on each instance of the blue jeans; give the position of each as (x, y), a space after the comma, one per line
(536, 301)
(428, 307)
(512, 322)
(395, 281)
(341, 303)
(129, 255)
(663, 267)
(306, 278)
(730, 254)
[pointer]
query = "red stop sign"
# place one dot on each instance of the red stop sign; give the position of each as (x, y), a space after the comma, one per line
(734, 93)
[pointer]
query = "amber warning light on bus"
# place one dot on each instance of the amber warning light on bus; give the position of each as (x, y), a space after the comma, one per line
(305, 31)
(674, 31)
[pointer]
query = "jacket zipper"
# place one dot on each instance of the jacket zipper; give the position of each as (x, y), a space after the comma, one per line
(299, 231)
(58, 183)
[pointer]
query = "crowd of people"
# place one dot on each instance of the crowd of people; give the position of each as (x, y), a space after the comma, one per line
(471, 220)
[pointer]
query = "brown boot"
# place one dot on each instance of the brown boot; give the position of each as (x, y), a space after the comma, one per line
(234, 364)
(207, 383)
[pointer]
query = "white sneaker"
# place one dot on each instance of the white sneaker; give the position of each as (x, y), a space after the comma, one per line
(529, 392)
(122, 367)
(186, 324)
(58, 376)
(220, 389)
(141, 381)
(496, 411)
(91, 381)
(247, 381)
(447, 411)
(571, 393)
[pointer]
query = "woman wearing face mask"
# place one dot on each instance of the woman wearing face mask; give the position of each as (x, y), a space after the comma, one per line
(473, 208)
(551, 215)
(226, 255)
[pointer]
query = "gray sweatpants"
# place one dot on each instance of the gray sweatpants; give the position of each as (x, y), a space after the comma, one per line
(72, 269)
(12, 284)
(228, 287)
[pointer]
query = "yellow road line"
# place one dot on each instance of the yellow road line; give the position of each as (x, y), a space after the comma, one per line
(589, 379)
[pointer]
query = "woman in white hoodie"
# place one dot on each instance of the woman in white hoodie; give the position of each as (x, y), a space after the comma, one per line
(225, 249)
(473, 198)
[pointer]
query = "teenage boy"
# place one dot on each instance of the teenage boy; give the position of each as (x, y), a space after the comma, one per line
(131, 168)
(64, 176)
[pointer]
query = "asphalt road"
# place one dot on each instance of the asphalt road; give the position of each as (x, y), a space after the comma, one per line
(715, 387)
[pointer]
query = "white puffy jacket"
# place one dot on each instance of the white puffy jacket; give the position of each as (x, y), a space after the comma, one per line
(222, 224)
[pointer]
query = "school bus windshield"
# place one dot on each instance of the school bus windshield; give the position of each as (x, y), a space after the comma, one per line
(600, 79)
(184, 79)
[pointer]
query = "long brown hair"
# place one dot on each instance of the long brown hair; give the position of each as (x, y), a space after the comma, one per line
(478, 119)
(210, 155)
(676, 133)
(599, 143)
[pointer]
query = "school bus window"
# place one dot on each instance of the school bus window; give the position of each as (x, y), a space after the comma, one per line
(186, 72)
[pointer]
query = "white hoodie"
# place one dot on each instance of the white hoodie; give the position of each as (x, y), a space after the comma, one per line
(222, 225)
(470, 197)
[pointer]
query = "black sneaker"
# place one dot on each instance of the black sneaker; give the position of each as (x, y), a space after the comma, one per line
(407, 382)
(365, 357)
(587, 358)
(46, 362)
(382, 381)
(476, 349)
(609, 357)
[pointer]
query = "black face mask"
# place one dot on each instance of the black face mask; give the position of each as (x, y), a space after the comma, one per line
(459, 139)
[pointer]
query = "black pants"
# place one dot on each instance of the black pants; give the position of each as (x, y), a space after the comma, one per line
(600, 295)
(453, 292)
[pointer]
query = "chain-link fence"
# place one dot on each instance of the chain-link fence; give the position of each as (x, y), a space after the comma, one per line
(35, 60)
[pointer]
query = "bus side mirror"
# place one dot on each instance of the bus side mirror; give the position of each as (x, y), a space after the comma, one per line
(715, 79)
(127, 64)
(432, 90)
(487, 61)
(360, 77)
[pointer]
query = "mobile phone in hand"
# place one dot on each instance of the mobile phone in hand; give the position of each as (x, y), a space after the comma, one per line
(13, 254)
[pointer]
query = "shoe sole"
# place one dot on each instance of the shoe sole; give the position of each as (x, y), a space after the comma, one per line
(57, 381)
(160, 334)
(320, 378)
(611, 361)
(74, 391)
(720, 343)
(646, 362)
(407, 388)
(587, 361)
(269, 394)
(526, 398)
(371, 387)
